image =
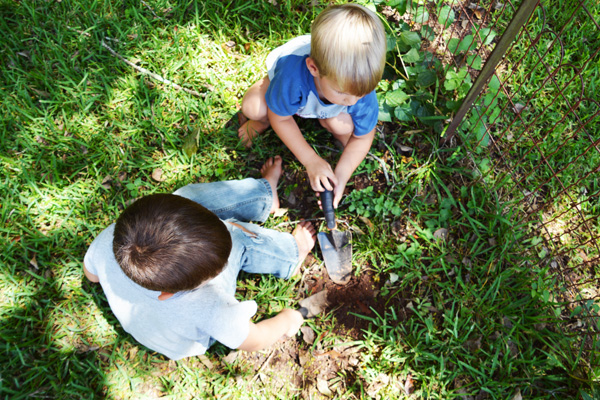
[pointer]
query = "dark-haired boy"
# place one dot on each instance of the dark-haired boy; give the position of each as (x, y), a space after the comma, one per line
(169, 265)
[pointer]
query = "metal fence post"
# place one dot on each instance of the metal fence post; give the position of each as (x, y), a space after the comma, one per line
(516, 23)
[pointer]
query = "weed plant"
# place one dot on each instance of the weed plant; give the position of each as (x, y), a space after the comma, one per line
(469, 308)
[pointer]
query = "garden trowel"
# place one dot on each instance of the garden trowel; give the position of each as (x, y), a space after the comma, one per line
(336, 246)
(314, 305)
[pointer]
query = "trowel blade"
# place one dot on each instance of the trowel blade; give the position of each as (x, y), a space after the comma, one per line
(314, 305)
(336, 247)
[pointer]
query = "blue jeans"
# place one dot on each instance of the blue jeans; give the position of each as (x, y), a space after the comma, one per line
(254, 249)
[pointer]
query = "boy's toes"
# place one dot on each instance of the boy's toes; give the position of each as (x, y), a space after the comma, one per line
(244, 136)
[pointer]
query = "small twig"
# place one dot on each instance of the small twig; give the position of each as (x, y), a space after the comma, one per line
(150, 73)
(327, 148)
(80, 32)
(137, 67)
(385, 172)
(263, 365)
(288, 223)
(150, 8)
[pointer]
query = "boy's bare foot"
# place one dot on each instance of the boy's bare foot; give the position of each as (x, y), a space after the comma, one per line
(249, 129)
(271, 171)
(306, 236)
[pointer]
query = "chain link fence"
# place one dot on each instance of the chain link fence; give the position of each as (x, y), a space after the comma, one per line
(532, 115)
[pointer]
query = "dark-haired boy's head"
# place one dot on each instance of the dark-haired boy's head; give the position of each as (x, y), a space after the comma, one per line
(168, 243)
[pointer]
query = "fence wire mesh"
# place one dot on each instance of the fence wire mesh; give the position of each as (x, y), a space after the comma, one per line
(532, 114)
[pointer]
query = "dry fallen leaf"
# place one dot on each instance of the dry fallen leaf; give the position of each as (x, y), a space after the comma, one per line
(280, 212)
(41, 93)
(157, 175)
(231, 357)
(323, 387)
(25, 54)
(33, 262)
(204, 360)
(308, 334)
(408, 385)
(441, 233)
(106, 182)
(366, 221)
(518, 108)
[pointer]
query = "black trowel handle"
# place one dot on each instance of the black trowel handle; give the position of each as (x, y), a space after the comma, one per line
(327, 204)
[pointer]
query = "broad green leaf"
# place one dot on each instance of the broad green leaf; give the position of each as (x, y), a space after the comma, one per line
(494, 84)
(412, 56)
(391, 42)
(483, 138)
(399, 5)
(467, 43)
(421, 15)
(455, 79)
(427, 33)
(371, 6)
(403, 113)
(446, 16)
(385, 112)
(383, 85)
(487, 35)
(426, 78)
(190, 146)
(411, 39)
(474, 61)
(453, 105)
(419, 110)
(453, 45)
(490, 99)
(395, 98)
(456, 45)
(399, 84)
(494, 114)
(384, 115)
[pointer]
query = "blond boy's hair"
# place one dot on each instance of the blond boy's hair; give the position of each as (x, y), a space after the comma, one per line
(348, 46)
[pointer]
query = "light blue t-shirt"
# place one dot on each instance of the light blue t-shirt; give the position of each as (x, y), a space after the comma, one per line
(186, 324)
(183, 325)
(292, 89)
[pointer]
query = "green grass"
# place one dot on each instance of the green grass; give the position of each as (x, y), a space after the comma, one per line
(81, 134)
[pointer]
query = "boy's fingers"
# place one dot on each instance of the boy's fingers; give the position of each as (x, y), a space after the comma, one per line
(326, 183)
(316, 186)
(315, 183)
(337, 196)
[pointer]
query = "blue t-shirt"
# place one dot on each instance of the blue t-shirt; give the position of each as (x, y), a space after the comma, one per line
(292, 89)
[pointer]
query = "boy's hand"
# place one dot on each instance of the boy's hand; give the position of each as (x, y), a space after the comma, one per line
(295, 321)
(268, 331)
(320, 175)
(338, 192)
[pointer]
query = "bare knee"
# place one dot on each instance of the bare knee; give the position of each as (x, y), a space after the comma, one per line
(341, 127)
(254, 105)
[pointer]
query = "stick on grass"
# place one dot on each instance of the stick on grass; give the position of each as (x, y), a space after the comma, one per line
(150, 73)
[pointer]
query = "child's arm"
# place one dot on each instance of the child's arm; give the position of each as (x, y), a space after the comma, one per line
(268, 331)
(89, 275)
(319, 171)
(354, 153)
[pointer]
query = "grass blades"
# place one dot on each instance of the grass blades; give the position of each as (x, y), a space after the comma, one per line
(469, 307)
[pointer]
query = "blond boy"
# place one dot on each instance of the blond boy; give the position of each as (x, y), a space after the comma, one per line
(330, 75)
